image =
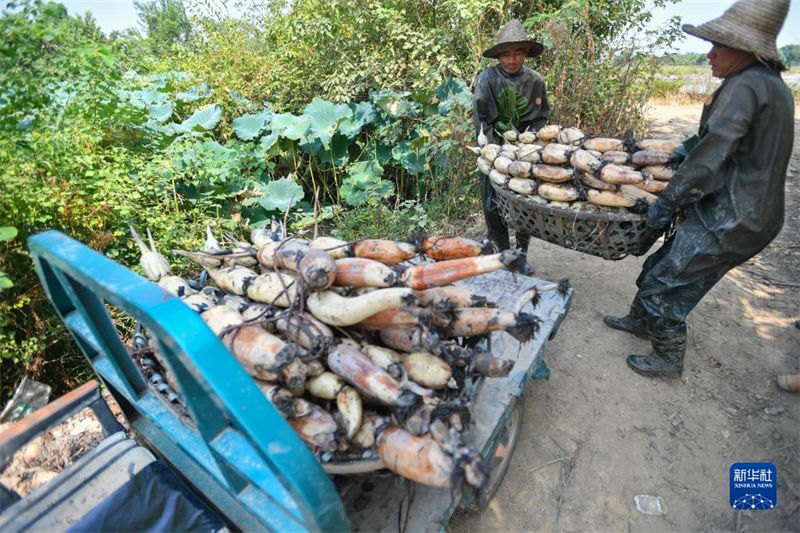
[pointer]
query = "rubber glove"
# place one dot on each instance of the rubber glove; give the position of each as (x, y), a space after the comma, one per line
(660, 213)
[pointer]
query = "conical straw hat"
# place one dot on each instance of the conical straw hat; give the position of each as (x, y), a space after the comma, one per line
(513, 36)
(749, 25)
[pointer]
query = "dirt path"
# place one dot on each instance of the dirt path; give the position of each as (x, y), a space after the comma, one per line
(597, 434)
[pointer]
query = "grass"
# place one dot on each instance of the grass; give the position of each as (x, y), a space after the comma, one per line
(683, 84)
(684, 70)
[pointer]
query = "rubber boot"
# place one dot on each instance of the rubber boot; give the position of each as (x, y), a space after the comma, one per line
(669, 347)
(634, 322)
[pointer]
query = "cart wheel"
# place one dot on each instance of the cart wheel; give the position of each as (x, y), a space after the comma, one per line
(501, 457)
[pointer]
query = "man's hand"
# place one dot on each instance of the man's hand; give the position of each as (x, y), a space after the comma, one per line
(676, 158)
(660, 213)
(682, 151)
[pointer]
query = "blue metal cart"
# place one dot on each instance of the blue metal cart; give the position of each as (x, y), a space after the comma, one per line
(242, 459)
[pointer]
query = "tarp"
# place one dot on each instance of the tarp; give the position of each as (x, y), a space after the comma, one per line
(153, 500)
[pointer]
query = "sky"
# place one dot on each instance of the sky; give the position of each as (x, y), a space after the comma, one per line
(110, 14)
(699, 11)
(120, 14)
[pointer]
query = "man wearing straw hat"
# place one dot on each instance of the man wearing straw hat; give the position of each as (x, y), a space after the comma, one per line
(729, 184)
(499, 88)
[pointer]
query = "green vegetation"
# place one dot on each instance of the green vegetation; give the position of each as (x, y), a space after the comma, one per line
(685, 77)
(665, 87)
(349, 116)
(685, 70)
(684, 60)
(599, 77)
(790, 54)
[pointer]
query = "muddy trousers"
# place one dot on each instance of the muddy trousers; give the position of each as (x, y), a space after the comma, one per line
(676, 277)
(496, 226)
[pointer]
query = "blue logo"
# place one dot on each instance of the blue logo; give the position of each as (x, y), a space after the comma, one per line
(753, 486)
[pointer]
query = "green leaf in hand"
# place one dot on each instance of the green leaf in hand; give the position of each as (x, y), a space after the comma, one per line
(511, 106)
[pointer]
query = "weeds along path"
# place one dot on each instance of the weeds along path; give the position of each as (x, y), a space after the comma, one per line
(597, 434)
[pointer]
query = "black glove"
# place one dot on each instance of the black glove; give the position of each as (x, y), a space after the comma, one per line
(682, 151)
(660, 213)
(677, 157)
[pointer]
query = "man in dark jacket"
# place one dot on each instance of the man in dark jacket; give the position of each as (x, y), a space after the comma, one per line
(508, 95)
(730, 186)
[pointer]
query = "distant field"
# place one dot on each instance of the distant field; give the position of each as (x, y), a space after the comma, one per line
(689, 83)
(684, 70)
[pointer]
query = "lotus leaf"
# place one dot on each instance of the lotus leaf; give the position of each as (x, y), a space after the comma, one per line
(364, 181)
(195, 93)
(247, 127)
(325, 118)
(268, 146)
(362, 114)
(336, 154)
(411, 160)
(281, 195)
(161, 112)
(290, 126)
(453, 92)
(202, 119)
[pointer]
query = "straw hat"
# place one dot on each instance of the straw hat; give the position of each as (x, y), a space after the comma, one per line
(749, 25)
(513, 36)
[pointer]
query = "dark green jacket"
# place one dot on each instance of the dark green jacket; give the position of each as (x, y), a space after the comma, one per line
(526, 82)
(733, 178)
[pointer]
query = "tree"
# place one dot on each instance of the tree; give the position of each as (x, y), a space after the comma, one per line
(791, 54)
(165, 22)
(607, 18)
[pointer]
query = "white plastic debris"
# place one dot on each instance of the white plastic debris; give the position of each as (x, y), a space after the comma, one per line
(650, 505)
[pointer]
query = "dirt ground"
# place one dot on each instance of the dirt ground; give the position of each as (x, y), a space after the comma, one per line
(597, 434)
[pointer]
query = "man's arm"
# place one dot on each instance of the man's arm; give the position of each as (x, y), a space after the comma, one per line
(485, 111)
(544, 114)
(703, 171)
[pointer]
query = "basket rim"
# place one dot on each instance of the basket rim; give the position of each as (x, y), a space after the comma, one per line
(508, 194)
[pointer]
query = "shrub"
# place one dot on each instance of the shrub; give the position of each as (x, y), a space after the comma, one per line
(599, 78)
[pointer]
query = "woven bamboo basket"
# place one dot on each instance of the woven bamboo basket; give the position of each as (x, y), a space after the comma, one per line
(607, 235)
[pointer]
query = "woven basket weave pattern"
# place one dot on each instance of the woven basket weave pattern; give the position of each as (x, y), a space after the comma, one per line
(607, 235)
